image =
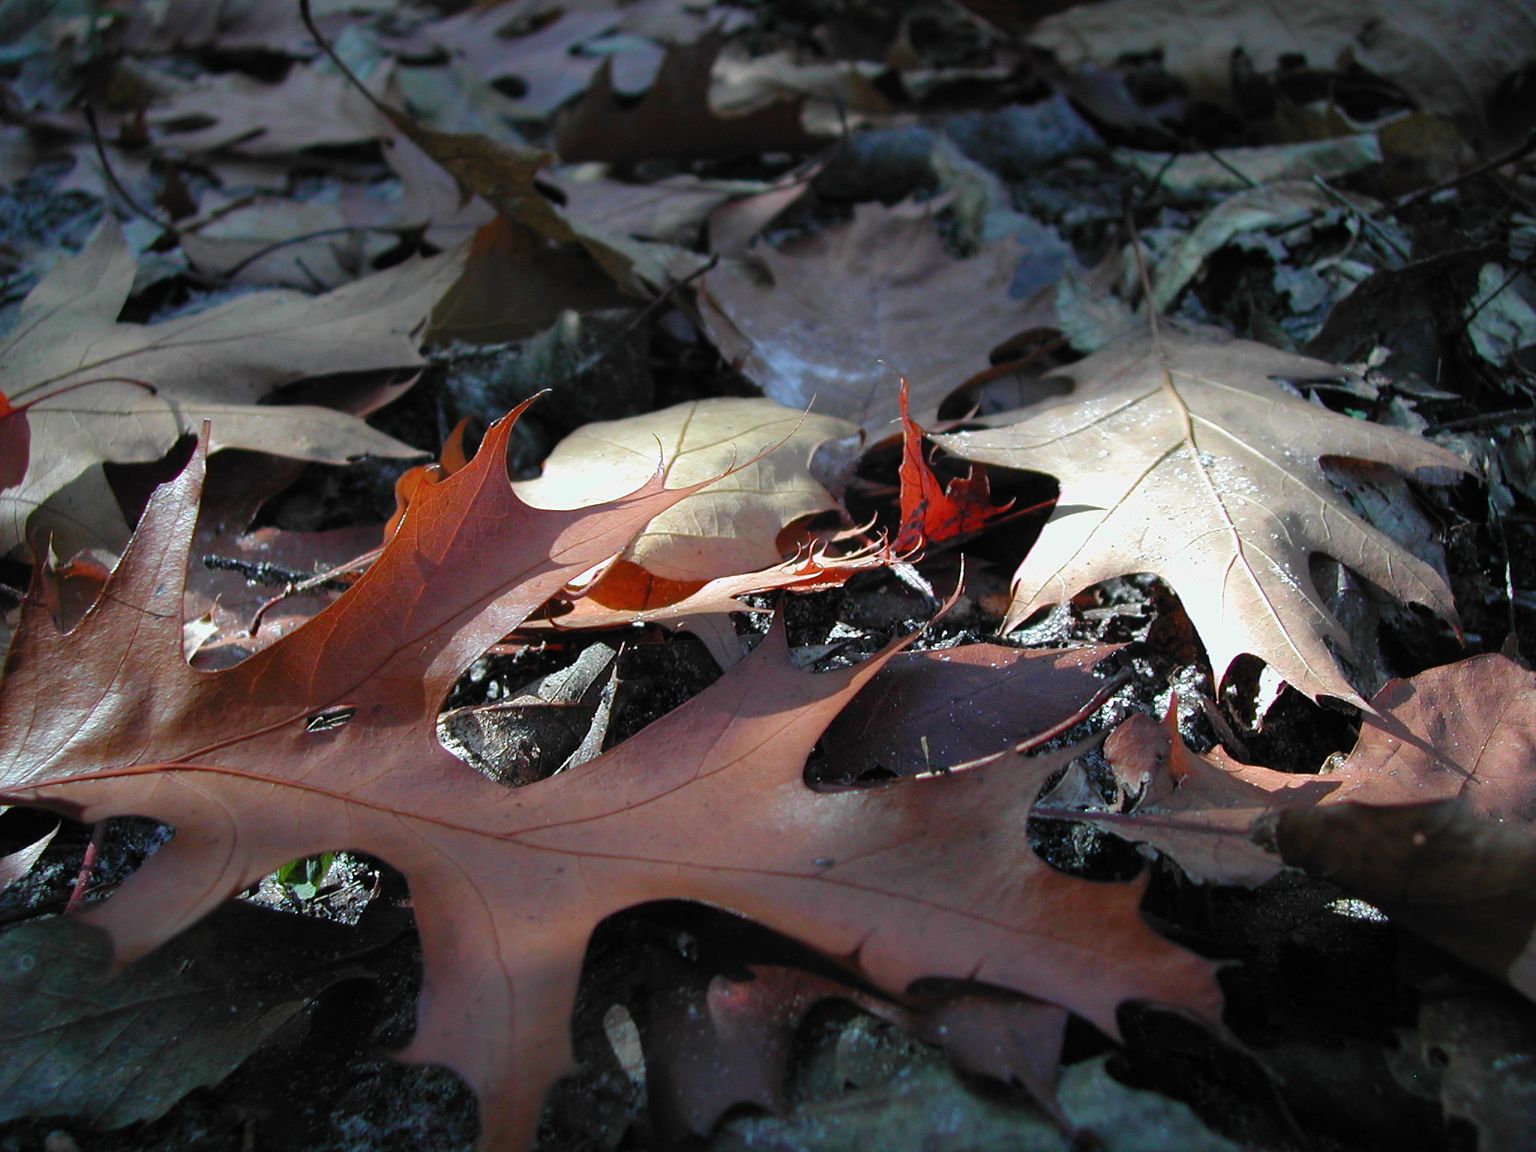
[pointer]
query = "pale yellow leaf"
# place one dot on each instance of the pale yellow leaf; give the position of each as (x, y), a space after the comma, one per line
(726, 528)
(1179, 454)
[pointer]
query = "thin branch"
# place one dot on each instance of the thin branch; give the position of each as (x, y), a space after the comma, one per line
(1519, 152)
(1371, 224)
(116, 184)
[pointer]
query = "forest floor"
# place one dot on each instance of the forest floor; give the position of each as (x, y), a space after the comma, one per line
(1407, 257)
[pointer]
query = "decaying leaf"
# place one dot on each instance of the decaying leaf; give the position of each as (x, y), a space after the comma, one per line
(307, 109)
(1447, 57)
(674, 119)
(115, 1048)
(1180, 455)
(1435, 816)
(931, 711)
(327, 738)
(731, 525)
(927, 1107)
(839, 317)
(1459, 880)
(714, 1041)
(95, 390)
(1203, 811)
(531, 42)
(1432, 816)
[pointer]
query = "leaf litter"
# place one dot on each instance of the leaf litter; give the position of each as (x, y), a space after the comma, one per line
(502, 605)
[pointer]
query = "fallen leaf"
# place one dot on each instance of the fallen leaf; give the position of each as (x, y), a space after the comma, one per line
(1447, 58)
(1470, 1031)
(1203, 811)
(327, 737)
(536, 732)
(1432, 816)
(931, 711)
(714, 1042)
(1463, 731)
(1179, 455)
(516, 284)
(672, 210)
(674, 120)
(534, 43)
(731, 525)
(925, 1108)
(1239, 169)
(15, 444)
(310, 107)
(838, 317)
(15, 865)
(96, 390)
(626, 594)
(1457, 879)
(255, 244)
(502, 174)
(232, 26)
(933, 512)
(1277, 205)
(117, 1048)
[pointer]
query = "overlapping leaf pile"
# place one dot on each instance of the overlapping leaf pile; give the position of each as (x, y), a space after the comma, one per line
(646, 212)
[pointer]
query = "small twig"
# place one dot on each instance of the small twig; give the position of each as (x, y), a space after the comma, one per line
(270, 575)
(1039, 739)
(87, 866)
(1519, 152)
(319, 234)
(392, 115)
(651, 308)
(117, 185)
(1372, 225)
(1485, 420)
(1156, 181)
(1229, 167)
(1494, 295)
(1145, 277)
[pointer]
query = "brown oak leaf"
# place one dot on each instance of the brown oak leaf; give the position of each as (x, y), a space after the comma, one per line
(674, 120)
(836, 318)
(95, 390)
(1432, 816)
(327, 739)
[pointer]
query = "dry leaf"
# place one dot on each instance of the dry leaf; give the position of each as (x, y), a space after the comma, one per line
(327, 737)
(837, 318)
(534, 43)
(674, 120)
(115, 1048)
(1448, 57)
(626, 594)
(731, 525)
(309, 108)
(96, 390)
(933, 512)
(1432, 816)
(1179, 455)
(931, 711)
